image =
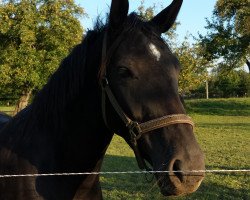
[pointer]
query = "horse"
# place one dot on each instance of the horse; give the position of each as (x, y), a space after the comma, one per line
(4, 118)
(122, 78)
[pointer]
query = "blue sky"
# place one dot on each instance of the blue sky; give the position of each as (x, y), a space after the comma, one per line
(192, 15)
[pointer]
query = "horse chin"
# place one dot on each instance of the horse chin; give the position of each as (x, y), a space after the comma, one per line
(170, 186)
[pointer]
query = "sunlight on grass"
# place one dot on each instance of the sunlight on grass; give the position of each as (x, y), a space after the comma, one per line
(223, 131)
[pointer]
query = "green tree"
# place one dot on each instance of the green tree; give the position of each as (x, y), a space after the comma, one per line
(149, 12)
(194, 66)
(230, 84)
(228, 39)
(34, 37)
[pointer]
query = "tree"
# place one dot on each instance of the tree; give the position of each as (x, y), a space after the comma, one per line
(228, 39)
(34, 37)
(193, 66)
(232, 84)
(149, 13)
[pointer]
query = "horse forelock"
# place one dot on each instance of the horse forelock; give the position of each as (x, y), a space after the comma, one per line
(134, 23)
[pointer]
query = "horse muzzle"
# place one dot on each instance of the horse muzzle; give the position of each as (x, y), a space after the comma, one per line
(181, 179)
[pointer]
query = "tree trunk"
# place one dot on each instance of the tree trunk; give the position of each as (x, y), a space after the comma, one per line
(22, 102)
(248, 64)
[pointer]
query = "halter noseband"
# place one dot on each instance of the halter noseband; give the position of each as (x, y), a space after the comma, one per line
(135, 129)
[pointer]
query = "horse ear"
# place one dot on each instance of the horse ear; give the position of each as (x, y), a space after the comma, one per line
(166, 18)
(118, 13)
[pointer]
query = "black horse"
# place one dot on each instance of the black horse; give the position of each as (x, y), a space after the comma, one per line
(122, 78)
(4, 118)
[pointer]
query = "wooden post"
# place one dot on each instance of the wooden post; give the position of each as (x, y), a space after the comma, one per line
(207, 94)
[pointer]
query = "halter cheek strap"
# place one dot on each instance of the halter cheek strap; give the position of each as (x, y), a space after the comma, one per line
(135, 129)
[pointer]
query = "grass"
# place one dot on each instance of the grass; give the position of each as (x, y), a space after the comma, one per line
(223, 132)
(220, 107)
(7, 109)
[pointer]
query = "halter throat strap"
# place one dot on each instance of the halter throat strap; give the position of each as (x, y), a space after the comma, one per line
(135, 129)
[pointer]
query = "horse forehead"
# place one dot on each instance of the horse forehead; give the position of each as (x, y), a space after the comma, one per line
(141, 43)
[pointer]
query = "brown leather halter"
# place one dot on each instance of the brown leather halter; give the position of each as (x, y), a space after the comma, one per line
(135, 129)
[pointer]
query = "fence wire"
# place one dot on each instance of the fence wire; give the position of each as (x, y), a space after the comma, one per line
(187, 173)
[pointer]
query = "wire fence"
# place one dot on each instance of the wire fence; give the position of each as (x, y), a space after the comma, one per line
(187, 173)
(193, 172)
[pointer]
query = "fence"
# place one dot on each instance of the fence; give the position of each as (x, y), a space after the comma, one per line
(218, 184)
(187, 173)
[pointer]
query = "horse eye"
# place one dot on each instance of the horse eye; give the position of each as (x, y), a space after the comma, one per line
(124, 72)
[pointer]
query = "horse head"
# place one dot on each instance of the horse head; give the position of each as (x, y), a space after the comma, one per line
(139, 78)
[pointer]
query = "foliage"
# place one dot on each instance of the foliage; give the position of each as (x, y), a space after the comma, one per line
(224, 139)
(34, 37)
(235, 83)
(149, 12)
(228, 39)
(193, 72)
(194, 66)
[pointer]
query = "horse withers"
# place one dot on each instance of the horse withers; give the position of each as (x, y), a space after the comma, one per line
(121, 79)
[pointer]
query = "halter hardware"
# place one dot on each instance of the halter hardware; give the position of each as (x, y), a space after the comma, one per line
(135, 129)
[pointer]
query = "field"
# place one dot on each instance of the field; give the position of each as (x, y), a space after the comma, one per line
(7, 109)
(223, 131)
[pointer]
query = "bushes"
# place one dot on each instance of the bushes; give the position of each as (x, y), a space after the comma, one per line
(225, 85)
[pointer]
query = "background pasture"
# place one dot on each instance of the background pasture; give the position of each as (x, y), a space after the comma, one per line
(223, 131)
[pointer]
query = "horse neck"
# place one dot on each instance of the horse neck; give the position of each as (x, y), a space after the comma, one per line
(67, 111)
(71, 92)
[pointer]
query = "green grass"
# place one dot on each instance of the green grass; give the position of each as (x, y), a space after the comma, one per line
(7, 109)
(222, 130)
(221, 107)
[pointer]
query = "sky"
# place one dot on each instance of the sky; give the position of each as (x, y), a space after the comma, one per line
(192, 15)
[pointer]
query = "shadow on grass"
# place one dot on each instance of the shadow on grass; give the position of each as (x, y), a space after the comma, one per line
(239, 126)
(221, 107)
(214, 191)
(135, 186)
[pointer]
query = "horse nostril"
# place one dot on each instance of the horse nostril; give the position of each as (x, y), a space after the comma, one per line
(177, 170)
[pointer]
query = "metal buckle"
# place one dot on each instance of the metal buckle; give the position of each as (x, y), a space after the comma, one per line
(104, 82)
(134, 130)
(134, 127)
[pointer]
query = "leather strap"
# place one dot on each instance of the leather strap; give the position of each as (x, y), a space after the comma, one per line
(165, 121)
(136, 130)
(140, 128)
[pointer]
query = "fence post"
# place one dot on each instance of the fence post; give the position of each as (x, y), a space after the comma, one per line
(207, 94)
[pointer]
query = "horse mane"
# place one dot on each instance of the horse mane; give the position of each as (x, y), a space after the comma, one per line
(49, 105)
(65, 84)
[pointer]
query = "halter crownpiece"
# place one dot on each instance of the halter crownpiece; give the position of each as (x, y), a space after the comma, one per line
(135, 129)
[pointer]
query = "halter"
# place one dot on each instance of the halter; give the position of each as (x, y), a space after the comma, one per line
(135, 129)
